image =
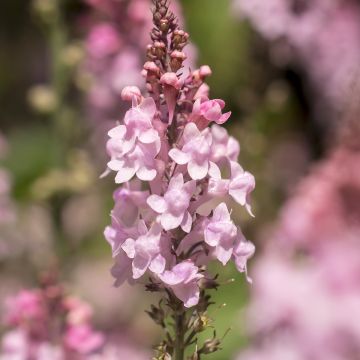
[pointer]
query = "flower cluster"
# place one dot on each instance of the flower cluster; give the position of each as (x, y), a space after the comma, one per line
(171, 157)
(46, 324)
(322, 36)
(321, 222)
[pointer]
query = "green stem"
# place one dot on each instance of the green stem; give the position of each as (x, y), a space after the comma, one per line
(180, 330)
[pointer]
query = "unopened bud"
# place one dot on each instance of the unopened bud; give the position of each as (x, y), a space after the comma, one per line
(164, 25)
(129, 92)
(171, 79)
(205, 71)
(211, 346)
(177, 59)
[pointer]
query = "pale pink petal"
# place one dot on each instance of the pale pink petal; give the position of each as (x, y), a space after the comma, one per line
(188, 293)
(198, 171)
(223, 255)
(129, 247)
(148, 106)
(214, 171)
(117, 132)
(221, 213)
(158, 264)
(187, 222)
(139, 266)
(115, 165)
(225, 117)
(157, 203)
(190, 132)
(146, 174)
(179, 156)
(125, 174)
(176, 182)
(169, 221)
(149, 136)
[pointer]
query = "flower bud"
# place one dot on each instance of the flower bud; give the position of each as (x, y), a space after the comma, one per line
(129, 92)
(177, 59)
(205, 71)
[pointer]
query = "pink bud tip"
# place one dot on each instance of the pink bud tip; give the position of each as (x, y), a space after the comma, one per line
(205, 71)
(151, 66)
(171, 79)
(128, 93)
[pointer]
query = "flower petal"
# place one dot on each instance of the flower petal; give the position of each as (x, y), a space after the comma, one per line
(179, 156)
(198, 171)
(157, 203)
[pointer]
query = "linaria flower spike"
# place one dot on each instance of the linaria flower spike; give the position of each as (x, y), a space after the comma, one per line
(165, 227)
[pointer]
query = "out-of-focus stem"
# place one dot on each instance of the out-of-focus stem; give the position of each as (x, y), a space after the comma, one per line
(60, 74)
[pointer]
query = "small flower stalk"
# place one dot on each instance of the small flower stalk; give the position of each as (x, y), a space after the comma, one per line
(172, 213)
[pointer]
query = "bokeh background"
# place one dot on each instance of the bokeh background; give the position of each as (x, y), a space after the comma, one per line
(288, 69)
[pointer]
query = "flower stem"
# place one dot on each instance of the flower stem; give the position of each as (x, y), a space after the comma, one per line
(180, 330)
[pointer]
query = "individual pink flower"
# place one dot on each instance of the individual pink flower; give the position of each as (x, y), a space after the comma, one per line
(130, 202)
(205, 112)
(83, 339)
(223, 146)
(145, 250)
(103, 41)
(174, 204)
(195, 152)
(25, 307)
(242, 252)
(239, 186)
(220, 233)
(183, 279)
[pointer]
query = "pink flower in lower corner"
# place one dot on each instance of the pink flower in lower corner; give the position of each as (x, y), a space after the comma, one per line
(183, 280)
(195, 152)
(27, 306)
(83, 339)
(208, 111)
(173, 206)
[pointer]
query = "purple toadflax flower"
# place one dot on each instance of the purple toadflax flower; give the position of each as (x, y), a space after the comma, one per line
(177, 218)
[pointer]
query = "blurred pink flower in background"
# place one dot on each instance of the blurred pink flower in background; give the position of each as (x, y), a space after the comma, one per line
(322, 36)
(306, 293)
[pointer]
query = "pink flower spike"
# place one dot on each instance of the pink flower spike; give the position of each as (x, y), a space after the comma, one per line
(183, 280)
(171, 85)
(173, 206)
